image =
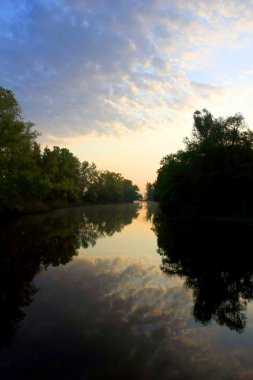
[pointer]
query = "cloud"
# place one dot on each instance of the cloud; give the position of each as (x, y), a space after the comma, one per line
(107, 67)
(126, 317)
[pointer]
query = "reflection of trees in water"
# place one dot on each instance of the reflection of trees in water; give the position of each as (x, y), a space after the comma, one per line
(102, 221)
(32, 243)
(215, 261)
(151, 209)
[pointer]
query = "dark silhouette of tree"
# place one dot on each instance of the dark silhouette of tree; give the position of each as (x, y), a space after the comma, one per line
(151, 210)
(149, 193)
(214, 260)
(214, 174)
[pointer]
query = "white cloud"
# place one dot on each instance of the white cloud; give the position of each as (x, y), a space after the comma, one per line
(83, 66)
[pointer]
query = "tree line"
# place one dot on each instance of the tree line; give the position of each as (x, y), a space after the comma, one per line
(214, 173)
(34, 180)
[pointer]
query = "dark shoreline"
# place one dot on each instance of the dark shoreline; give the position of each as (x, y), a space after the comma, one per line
(47, 208)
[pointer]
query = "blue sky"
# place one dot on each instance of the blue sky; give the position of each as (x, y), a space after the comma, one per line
(117, 82)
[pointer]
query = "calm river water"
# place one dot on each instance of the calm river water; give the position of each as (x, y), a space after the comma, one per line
(119, 292)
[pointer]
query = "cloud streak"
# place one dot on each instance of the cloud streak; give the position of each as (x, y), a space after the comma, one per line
(107, 67)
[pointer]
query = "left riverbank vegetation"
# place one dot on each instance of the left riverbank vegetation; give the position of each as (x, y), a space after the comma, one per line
(213, 175)
(33, 180)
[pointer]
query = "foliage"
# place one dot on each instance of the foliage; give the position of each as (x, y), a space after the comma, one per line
(215, 171)
(61, 169)
(149, 194)
(9, 105)
(31, 179)
(20, 177)
(112, 187)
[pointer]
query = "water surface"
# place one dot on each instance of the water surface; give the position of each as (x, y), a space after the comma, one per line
(114, 292)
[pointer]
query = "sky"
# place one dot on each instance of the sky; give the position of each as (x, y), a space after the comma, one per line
(117, 81)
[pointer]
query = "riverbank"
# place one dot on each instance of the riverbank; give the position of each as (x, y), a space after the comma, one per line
(38, 207)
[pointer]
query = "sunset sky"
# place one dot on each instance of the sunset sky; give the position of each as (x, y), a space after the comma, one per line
(117, 81)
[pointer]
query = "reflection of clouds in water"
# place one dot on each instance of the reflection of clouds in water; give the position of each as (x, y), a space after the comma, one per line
(141, 317)
(110, 313)
(139, 286)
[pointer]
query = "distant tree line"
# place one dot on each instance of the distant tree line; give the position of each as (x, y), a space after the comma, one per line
(31, 179)
(149, 193)
(214, 173)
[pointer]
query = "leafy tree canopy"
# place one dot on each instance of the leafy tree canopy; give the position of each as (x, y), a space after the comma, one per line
(9, 105)
(31, 179)
(214, 173)
(149, 193)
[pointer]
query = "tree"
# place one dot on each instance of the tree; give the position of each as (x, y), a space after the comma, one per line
(88, 179)
(149, 194)
(20, 180)
(110, 187)
(9, 106)
(215, 171)
(113, 188)
(28, 176)
(130, 191)
(61, 169)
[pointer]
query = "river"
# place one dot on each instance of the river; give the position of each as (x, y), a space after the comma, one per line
(118, 292)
